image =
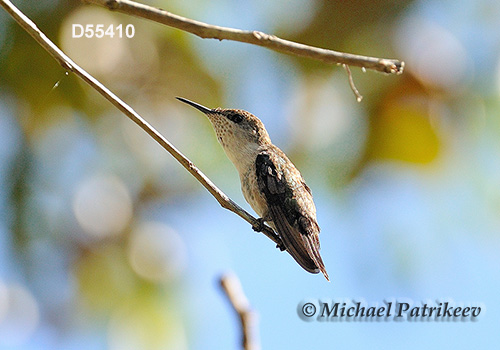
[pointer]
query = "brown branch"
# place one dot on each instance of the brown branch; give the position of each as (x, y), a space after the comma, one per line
(351, 84)
(68, 64)
(248, 321)
(208, 31)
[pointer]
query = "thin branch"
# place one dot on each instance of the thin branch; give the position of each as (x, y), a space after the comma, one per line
(208, 31)
(351, 83)
(232, 288)
(68, 64)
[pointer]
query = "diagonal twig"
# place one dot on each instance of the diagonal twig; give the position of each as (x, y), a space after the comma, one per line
(208, 31)
(248, 321)
(68, 64)
(351, 83)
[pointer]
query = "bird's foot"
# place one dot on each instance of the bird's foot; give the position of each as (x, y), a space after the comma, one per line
(259, 226)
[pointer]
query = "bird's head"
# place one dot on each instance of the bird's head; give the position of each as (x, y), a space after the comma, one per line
(240, 133)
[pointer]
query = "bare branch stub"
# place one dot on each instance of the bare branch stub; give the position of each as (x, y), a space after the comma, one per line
(351, 83)
(248, 319)
(208, 31)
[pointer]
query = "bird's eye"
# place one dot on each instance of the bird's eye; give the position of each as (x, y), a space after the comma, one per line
(234, 117)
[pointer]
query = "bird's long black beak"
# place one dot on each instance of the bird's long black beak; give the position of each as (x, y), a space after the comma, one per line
(195, 105)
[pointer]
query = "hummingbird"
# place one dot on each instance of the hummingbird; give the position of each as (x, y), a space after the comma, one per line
(270, 183)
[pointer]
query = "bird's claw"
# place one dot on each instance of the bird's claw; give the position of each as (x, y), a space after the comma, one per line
(259, 226)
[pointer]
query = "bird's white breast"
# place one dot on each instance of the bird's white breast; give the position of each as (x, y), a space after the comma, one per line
(250, 189)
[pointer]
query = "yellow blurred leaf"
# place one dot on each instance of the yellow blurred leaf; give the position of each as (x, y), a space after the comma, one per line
(104, 277)
(404, 132)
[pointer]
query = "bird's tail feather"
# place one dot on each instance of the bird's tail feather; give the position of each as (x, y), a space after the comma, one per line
(304, 248)
(312, 246)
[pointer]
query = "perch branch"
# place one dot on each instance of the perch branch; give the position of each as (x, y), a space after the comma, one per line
(68, 64)
(208, 31)
(232, 288)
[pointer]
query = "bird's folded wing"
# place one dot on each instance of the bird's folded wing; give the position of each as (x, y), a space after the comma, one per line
(287, 202)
